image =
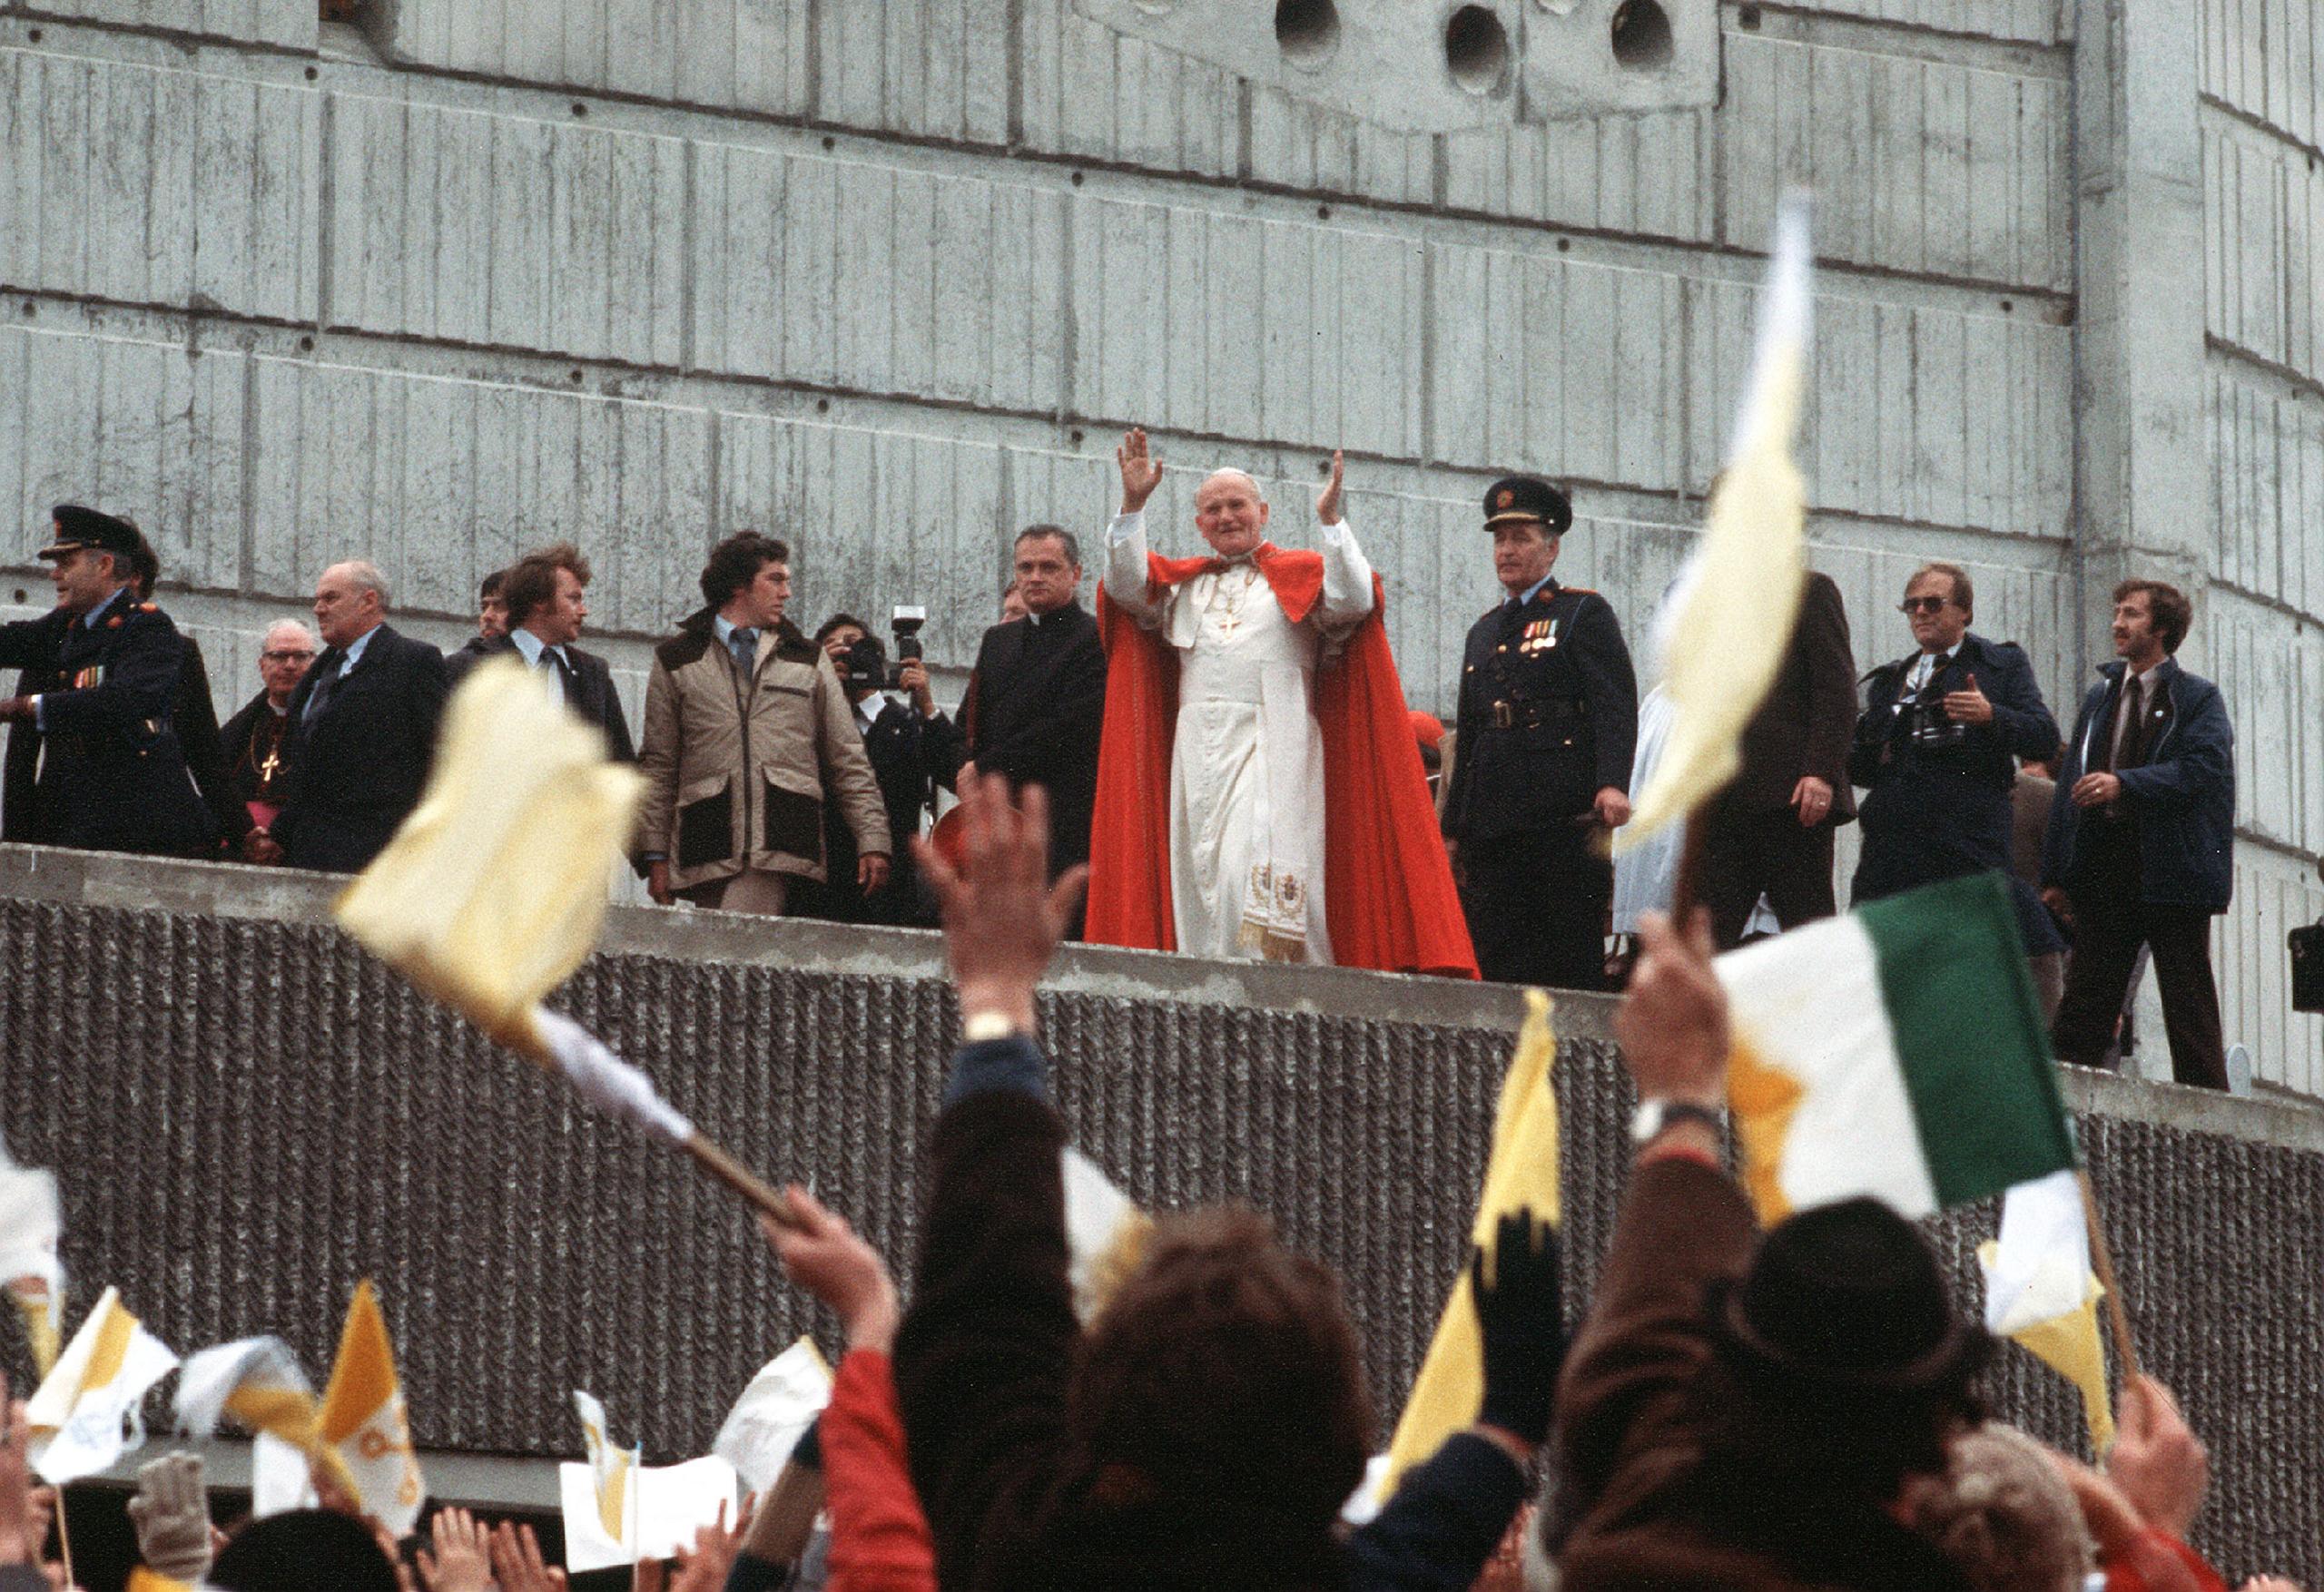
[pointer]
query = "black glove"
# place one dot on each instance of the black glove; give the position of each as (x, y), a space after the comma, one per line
(1521, 1315)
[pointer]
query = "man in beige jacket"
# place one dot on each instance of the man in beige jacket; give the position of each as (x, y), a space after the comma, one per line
(748, 734)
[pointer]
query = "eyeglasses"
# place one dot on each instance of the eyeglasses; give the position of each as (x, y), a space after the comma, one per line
(300, 656)
(1922, 604)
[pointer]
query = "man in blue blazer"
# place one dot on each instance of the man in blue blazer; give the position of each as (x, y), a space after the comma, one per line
(362, 729)
(2141, 843)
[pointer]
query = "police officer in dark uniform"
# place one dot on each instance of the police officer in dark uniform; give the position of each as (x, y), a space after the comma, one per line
(113, 777)
(1548, 721)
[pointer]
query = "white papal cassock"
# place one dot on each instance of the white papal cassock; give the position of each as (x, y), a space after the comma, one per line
(1246, 764)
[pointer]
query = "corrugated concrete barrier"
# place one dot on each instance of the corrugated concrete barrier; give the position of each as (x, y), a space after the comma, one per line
(247, 1113)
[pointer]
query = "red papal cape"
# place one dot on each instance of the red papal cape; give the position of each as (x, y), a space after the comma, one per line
(1388, 895)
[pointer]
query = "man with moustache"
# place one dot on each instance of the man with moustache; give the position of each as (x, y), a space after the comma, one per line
(2139, 847)
(543, 595)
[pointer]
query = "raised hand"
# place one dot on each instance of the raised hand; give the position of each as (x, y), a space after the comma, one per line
(1329, 500)
(1141, 473)
(462, 1559)
(823, 1256)
(517, 1565)
(1672, 1025)
(2157, 1460)
(704, 1567)
(1002, 917)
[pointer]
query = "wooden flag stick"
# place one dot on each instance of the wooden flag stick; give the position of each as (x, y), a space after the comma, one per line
(737, 1176)
(63, 1538)
(1688, 885)
(2102, 1261)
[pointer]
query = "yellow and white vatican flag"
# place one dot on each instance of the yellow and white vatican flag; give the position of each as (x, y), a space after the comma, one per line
(260, 1383)
(32, 1224)
(1727, 625)
(611, 1469)
(1522, 1174)
(2039, 1290)
(774, 1413)
(494, 889)
(362, 1425)
(1105, 1233)
(85, 1415)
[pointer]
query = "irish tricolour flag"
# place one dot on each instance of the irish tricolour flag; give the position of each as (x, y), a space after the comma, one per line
(1897, 1052)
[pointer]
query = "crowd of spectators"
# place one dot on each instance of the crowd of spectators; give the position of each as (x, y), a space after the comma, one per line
(1792, 1409)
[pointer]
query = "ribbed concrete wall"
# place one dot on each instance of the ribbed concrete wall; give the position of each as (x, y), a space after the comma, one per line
(247, 1115)
(2261, 124)
(889, 275)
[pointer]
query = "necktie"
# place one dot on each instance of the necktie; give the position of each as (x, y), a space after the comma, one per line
(555, 657)
(326, 683)
(744, 644)
(2133, 750)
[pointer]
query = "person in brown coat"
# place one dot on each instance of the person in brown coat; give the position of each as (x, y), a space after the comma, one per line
(1771, 829)
(748, 734)
(1738, 1412)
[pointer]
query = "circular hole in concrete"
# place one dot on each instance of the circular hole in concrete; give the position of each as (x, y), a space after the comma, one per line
(34, 37)
(1476, 49)
(307, 345)
(1641, 36)
(1306, 31)
(20, 594)
(312, 74)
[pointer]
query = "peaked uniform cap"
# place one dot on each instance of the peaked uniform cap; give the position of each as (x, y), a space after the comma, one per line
(78, 528)
(1523, 498)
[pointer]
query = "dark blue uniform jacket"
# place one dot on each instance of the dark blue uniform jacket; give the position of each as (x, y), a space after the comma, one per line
(113, 775)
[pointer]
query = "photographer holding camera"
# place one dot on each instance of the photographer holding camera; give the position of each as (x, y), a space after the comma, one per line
(913, 749)
(1936, 746)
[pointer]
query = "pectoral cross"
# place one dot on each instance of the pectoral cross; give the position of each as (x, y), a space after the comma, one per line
(267, 770)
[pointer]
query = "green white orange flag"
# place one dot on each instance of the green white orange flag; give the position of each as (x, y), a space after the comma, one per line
(1897, 1052)
(2041, 1290)
(1727, 625)
(362, 1425)
(85, 1414)
(1521, 1174)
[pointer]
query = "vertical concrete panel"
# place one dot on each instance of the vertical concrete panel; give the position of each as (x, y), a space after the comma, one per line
(810, 229)
(1237, 316)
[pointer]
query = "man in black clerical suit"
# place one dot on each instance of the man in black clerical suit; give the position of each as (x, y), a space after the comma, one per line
(547, 602)
(1771, 829)
(1037, 700)
(255, 741)
(362, 729)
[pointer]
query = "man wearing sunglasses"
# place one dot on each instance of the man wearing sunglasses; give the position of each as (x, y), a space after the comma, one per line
(1937, 745)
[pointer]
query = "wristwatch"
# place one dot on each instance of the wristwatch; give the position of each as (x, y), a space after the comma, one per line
(1655, 1115)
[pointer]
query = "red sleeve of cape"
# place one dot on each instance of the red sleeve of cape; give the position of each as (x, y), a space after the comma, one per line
(1388, 883)
(1388, 887)
(1129, 840)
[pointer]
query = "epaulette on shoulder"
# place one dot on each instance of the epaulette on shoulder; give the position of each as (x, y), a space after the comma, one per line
(1577, 591)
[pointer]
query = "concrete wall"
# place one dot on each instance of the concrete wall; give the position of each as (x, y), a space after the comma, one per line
(890, 275)
(2259, 75)
(247, 1114)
